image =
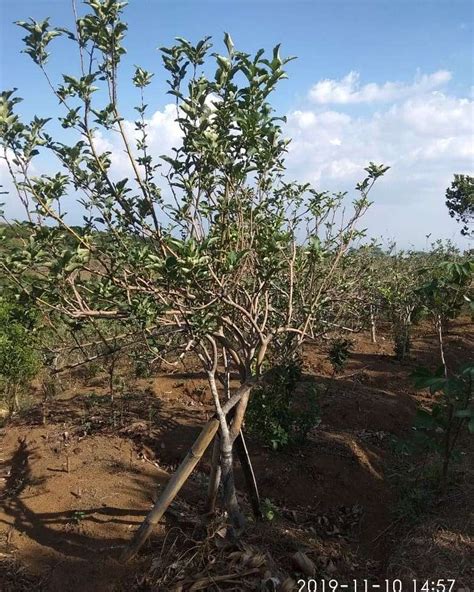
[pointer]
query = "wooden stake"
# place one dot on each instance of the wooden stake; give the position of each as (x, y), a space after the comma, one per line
(249, 475)
(214, 477)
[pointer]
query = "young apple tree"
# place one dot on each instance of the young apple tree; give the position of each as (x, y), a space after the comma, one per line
(211, 249)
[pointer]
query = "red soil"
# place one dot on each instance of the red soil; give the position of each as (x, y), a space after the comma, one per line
(73, 491)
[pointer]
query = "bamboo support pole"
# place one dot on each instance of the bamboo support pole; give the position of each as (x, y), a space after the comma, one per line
(179, 478)
(171, 489)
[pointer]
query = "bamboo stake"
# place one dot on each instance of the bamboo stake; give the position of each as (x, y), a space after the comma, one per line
(171, 489)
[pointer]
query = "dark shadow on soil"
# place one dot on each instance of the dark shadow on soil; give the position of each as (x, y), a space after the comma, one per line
(342, 466)
(37, 525)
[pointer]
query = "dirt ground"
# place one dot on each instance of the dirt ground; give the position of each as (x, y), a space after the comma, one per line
(73, 491)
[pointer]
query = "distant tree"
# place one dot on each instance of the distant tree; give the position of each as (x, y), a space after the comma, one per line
(460, 201)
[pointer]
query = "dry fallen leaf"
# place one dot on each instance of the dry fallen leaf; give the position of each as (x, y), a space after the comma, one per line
(304, 563)
(289, 585)
(257, 560)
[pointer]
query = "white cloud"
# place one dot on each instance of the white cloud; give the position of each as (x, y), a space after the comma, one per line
(349, 90)
(436, 113)
(163, 129)
(425, 140)
(163, 134)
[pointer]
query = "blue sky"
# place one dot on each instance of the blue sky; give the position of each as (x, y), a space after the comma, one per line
(374, 80)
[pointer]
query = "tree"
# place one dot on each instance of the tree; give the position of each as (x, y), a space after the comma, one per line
(446, 288)
(367, 270)
(439, 428)
(398, 289)
(460, 201)
(228, 262)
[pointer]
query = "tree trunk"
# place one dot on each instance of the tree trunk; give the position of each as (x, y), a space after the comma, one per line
(13, 400)
(111, 379)
(227, 439)
(179, 478)
(247, 469)
(240, 409)
(227, 442)
(439, 328)
(231, 503)
(372, 325)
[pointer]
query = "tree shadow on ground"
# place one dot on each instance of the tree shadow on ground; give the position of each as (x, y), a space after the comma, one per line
(37, 526)
(73, 550)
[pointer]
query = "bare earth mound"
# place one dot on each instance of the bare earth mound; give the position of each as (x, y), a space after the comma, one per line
(74, 490)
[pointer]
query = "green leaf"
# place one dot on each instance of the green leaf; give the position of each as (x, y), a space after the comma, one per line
(464, 413)
(229, 43)
(424, 420)
(470, 426)
(171, 262)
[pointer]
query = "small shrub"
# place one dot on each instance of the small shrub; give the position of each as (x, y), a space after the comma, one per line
(78, 516)
(269, 510)
(272, 415)
(19, 361)
(339, 353)
(437, 429)
(401, 341)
